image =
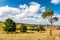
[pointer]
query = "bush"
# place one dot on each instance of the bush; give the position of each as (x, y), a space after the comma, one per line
(40, 28)
(31, 28)
(10, 26)
(23, 28)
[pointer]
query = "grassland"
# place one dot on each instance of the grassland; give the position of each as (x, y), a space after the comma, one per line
(30, 35)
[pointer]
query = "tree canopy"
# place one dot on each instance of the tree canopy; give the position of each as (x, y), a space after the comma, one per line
(10, 25)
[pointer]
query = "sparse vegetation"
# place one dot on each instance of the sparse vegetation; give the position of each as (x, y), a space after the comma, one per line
(40, 28)
(30, 36)
(23, 28)
(31, 30)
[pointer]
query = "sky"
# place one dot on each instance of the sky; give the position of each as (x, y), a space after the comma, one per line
(28, 11)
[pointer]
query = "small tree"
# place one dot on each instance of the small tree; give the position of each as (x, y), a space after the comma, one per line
(23, 28)
(48, 14)
(10, 25)
(40, 28)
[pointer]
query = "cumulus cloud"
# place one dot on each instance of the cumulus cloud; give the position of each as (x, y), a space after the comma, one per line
(29, 14)
(55, 1)
(24, 14)
(8, 12)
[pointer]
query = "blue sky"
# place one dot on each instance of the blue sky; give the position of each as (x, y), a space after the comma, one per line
(28, 11)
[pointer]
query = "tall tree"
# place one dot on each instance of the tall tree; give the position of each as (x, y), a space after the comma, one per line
(48, 14)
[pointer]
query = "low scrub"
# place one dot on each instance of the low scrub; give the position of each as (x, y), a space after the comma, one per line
(40, 28)
(23, 28)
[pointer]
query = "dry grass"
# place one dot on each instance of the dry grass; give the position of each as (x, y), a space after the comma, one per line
(31, 35)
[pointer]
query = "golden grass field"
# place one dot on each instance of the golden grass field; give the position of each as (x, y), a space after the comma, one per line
(31, 35)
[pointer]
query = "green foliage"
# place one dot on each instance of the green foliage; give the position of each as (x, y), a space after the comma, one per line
(23, 28)
(40, 28)
(55, 19)
(47, 13)
(10, 26)
(32, 28)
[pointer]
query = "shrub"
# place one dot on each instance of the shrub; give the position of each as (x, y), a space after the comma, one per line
(23, 28)
(40, 28)
(31, 28)
(10, 25)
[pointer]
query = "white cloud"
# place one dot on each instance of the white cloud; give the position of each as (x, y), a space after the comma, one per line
(29, 14)
(23, 14)
(34, 7)
(8, 12)
(55, 1)
(42, 9)
(23, 6)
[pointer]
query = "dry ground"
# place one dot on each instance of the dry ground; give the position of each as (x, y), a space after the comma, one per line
(30, 35)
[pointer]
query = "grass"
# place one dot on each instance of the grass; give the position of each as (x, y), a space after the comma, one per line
(30, 35)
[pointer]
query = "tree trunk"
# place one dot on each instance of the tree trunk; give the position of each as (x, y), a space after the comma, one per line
(51, 26)
(51, 31)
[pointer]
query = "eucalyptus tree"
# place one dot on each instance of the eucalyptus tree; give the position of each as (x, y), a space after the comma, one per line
(48, 14)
